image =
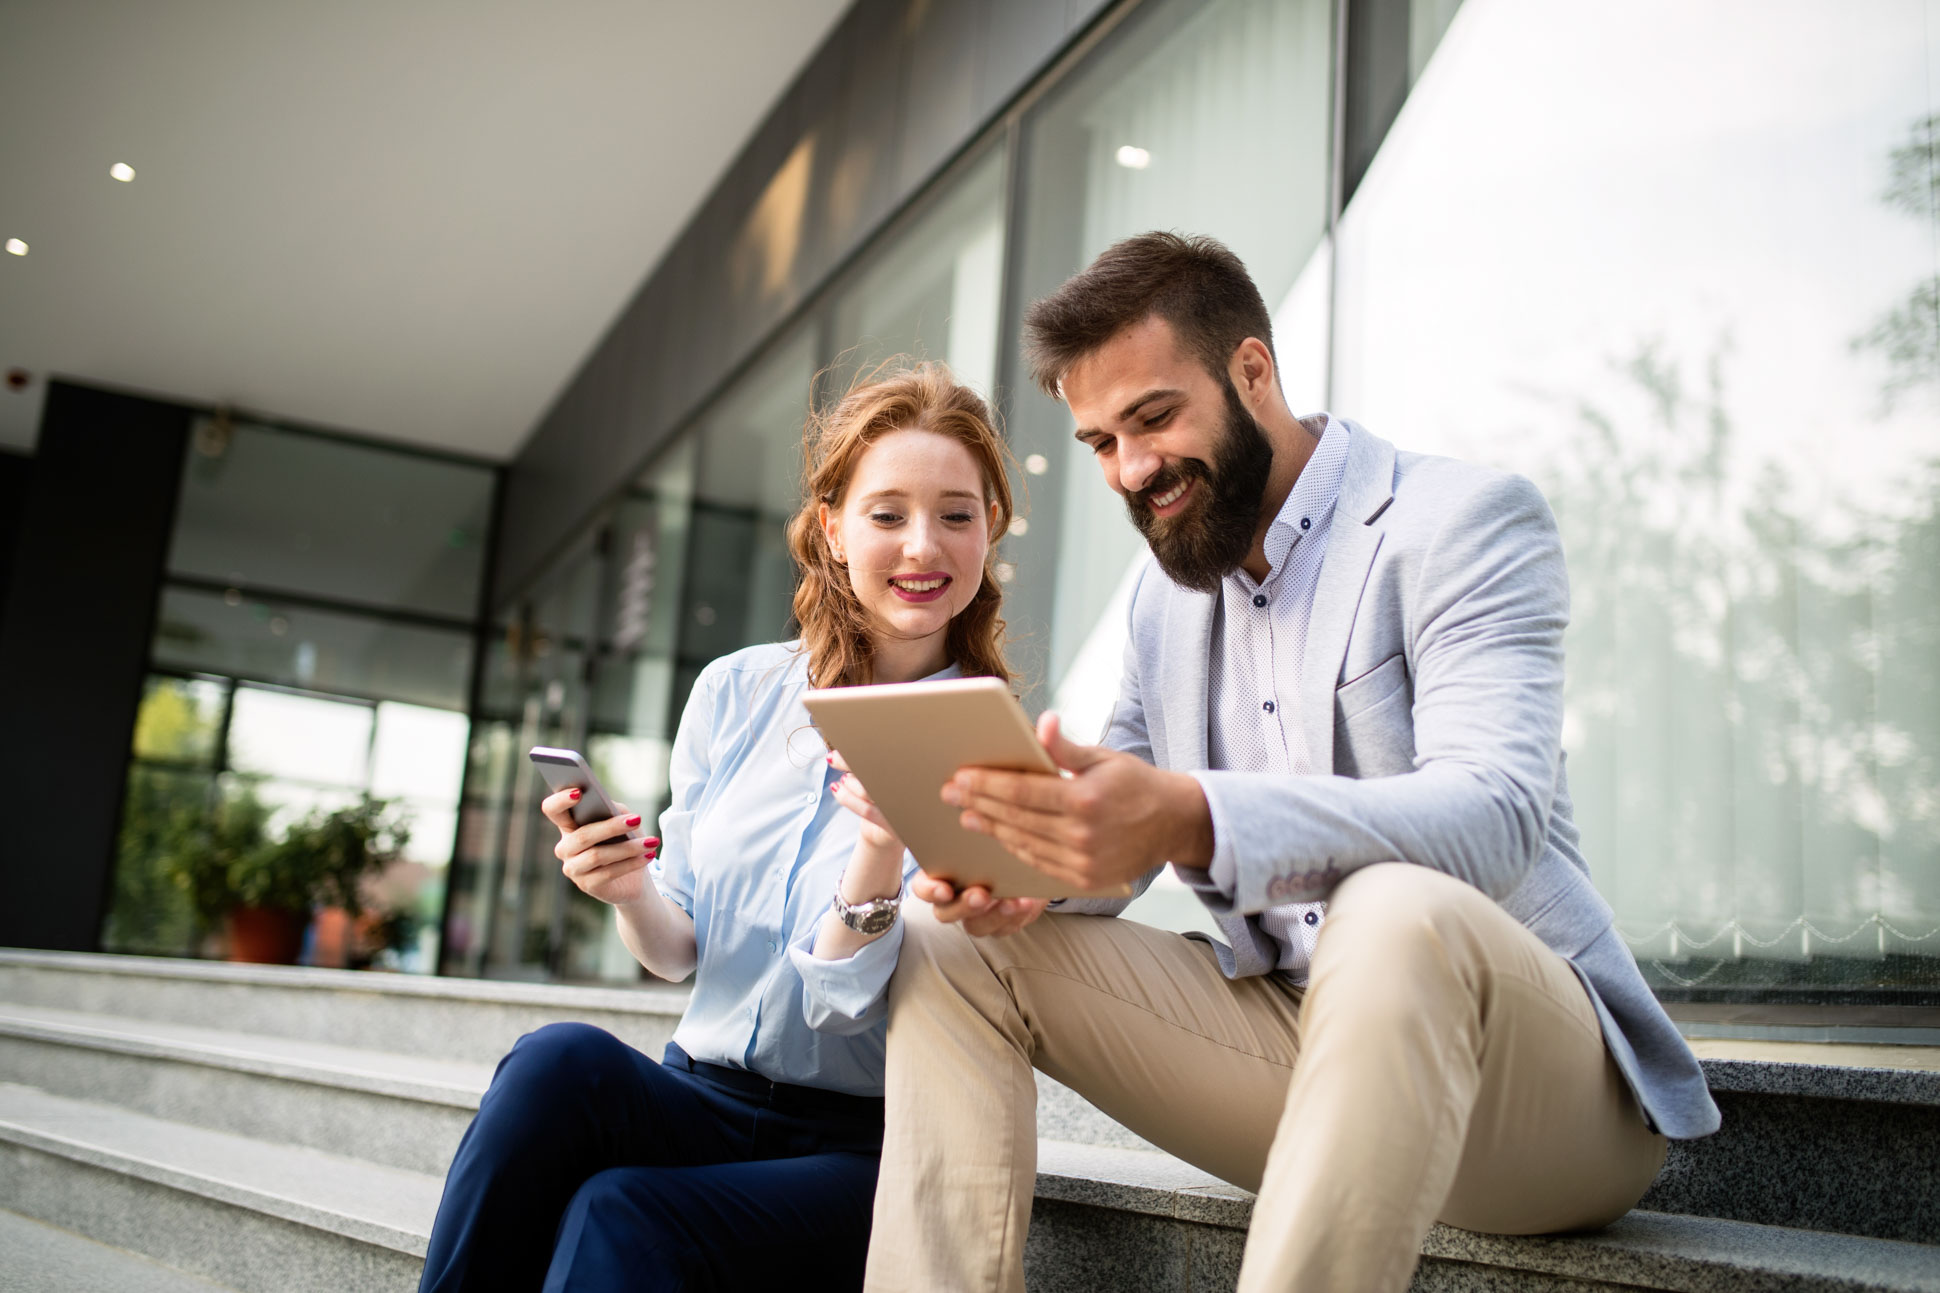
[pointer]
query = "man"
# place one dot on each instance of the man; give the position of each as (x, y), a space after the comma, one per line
(1341, 722)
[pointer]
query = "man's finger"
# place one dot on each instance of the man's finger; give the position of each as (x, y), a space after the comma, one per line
(1050, 827)
(1038, 790)
(1066, 754)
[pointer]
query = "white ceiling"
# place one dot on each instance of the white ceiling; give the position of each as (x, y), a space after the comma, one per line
(412, 218)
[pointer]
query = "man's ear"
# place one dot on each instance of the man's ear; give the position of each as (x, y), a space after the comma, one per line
(1252, 373)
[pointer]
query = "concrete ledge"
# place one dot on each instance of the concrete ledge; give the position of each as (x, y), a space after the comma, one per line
(1643, 1250)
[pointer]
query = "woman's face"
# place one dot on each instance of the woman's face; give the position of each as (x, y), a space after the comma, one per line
(913, 529)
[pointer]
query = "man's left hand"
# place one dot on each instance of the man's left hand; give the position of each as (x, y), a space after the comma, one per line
(1115, 818)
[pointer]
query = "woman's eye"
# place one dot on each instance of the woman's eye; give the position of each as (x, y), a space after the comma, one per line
(960, 518)
(884, 518)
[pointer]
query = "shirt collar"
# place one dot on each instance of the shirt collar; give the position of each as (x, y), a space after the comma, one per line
(1311, 499)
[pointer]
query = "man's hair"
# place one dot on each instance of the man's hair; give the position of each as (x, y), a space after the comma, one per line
(1194, 284)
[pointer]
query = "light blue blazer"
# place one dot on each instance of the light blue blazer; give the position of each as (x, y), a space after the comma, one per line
(1431, 698)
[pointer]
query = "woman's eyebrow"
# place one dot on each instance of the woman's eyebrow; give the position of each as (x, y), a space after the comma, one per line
(903, 493)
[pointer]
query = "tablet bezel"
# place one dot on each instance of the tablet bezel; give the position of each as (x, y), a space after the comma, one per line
(903, 741)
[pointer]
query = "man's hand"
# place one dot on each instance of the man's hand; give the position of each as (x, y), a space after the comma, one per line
(1115, 818)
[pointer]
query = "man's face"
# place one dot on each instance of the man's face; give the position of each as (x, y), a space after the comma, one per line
(1178, 445)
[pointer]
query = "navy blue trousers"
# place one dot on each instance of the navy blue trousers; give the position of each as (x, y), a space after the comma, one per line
(589, 1166)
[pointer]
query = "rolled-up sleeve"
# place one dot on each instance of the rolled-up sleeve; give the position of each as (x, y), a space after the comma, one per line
(850, 995)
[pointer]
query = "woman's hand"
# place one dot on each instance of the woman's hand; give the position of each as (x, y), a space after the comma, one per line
(877, 834)
(613, 872)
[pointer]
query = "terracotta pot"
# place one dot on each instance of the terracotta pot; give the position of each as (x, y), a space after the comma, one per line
(265, 935)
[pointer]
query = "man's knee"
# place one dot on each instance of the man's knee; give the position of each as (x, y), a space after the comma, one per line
(1407, 918)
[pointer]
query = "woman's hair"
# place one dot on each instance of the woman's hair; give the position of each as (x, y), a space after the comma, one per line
(834, 624)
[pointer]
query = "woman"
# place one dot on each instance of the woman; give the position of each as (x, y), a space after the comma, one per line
(747, 1158)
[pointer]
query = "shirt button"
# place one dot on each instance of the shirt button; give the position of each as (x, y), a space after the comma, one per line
(1312, 918)
(771, 945)
(1268, 707)
(1259, 599)
(1306, 523)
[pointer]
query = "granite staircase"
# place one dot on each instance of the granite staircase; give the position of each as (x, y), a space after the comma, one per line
(183, 1125)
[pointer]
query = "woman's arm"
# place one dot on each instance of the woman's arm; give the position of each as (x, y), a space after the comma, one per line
(875, 870)
(658, 933)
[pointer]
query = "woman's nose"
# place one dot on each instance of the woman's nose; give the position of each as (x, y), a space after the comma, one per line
(920, 540)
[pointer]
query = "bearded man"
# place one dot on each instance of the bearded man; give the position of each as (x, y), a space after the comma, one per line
(1341, 723)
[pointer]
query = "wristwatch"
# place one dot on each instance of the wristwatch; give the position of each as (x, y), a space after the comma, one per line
(871, 917)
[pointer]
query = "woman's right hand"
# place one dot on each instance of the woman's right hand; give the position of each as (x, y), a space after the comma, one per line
(612, 872)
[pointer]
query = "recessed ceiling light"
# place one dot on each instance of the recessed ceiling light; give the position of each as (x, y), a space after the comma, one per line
(122, 171)
(16, 247)
(1134, 158)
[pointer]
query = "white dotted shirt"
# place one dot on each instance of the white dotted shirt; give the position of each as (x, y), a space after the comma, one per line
(1259, 636)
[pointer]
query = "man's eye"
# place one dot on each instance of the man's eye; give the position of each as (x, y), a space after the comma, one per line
(1101, 446)
(1159, 419)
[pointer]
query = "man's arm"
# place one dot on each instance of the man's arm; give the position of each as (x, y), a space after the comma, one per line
(1483, 637)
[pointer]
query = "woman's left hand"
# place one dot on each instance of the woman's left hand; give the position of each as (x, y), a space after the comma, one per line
(877, 833)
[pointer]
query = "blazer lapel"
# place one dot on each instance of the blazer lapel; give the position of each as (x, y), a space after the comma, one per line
(1185, 676)
(1366, 490)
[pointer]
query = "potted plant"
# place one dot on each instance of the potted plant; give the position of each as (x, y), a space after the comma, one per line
(263, 890)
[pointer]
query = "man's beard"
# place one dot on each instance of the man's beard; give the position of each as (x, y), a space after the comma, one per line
(1203, 544)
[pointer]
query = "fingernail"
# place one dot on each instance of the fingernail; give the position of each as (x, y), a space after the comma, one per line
(950, 794)
(573, 794)
(633, 820)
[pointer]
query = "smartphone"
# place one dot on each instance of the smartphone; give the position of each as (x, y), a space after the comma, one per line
(567, 770)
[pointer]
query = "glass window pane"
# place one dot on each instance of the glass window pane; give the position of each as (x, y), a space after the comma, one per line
(305, 738)
(303, 513)
(1728, 395)
(315, 650)
(1168, 126)
(932, 292)
(740, 579)
(180, 720)
(148, 912)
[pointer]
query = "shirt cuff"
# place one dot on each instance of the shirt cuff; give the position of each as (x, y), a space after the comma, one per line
(846, 995)
(1217, 883)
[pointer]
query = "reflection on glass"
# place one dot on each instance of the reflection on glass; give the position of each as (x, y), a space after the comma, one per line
(313, 514)
(1200, 94)
(740, 579)
(932, 291)
(315, 650)
(1719, 389)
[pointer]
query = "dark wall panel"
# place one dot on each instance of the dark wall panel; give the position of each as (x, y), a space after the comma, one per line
(899, 88)
(73, 647)
(16, 470)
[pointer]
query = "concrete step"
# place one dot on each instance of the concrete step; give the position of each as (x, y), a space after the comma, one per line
(242, 1212)
(46, 1259)
(1136, 1220)
(474, 1020)
(400, 1110)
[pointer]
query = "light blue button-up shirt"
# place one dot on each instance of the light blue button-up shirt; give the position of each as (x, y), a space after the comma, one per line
(752, 847)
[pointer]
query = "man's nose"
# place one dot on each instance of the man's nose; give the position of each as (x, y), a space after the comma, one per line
(1137, 465)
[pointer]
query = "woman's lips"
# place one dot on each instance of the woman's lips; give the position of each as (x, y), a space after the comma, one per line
(925, 587)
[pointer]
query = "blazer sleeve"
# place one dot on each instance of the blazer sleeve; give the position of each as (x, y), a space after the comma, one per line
(1483, 623)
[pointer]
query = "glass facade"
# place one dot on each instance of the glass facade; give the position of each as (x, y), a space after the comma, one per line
(313, 646)
(1675, 263)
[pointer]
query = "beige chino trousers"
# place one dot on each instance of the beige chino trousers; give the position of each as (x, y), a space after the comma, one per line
(1441, 1063)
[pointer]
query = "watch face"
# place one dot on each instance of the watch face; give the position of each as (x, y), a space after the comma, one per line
(877, 921)
(871, 917)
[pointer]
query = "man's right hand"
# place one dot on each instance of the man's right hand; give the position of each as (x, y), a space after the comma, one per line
(974, 908)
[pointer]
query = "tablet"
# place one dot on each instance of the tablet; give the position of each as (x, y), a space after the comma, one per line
(903, 741)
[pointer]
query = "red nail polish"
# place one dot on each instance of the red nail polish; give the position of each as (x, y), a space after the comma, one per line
(633, 820)
(573, 794)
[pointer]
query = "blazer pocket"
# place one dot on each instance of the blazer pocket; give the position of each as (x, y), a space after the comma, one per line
(1375, 687)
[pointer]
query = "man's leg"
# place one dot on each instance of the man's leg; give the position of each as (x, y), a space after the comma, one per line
(1138, 1020)
(1452, 1066)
